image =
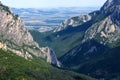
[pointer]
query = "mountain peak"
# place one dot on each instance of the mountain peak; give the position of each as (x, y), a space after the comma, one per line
(5, 8)
(110, 5)
(112, 9)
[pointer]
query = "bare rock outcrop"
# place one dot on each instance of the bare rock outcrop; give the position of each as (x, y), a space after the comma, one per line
(16, 38)
(73, 22)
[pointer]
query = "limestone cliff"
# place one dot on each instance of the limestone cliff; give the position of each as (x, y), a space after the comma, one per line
(16, 38)
(73, 22)
(107, 30)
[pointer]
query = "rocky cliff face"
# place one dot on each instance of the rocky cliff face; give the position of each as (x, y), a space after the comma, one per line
(12, 28)
(15, 37)
(73, 22)
(106, 31)
(51, 57)
(109, 4)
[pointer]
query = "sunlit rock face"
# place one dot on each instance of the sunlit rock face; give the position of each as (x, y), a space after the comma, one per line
(16, 38)
(73, 22)
(51, 57)
(12, 28)
(108, 29)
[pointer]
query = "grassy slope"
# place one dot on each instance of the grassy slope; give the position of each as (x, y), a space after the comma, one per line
(13, 67)
(61, 42)
(64, 40)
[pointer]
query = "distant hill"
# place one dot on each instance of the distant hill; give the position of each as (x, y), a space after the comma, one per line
(34, 19)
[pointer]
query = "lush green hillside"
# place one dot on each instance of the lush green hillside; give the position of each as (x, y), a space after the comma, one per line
(13, 67)
(66, 39)
(61, 42)
(91, 48)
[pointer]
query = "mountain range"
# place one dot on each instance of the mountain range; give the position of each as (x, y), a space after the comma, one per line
(89, 43)
(21, 58)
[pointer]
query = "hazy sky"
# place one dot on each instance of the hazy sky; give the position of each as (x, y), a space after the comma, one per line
(52, 3)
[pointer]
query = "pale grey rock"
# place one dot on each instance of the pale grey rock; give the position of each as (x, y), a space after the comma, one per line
(51, 57)
(13, 29)
(107, 4)
(73, 22)
(105, 30)
(16, 38)
(108, 29)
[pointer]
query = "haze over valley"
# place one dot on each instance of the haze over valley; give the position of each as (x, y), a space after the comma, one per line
(46, 19)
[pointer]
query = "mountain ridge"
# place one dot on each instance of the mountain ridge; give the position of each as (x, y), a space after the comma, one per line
(100, 41)
(92, 47)
(16, 38)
